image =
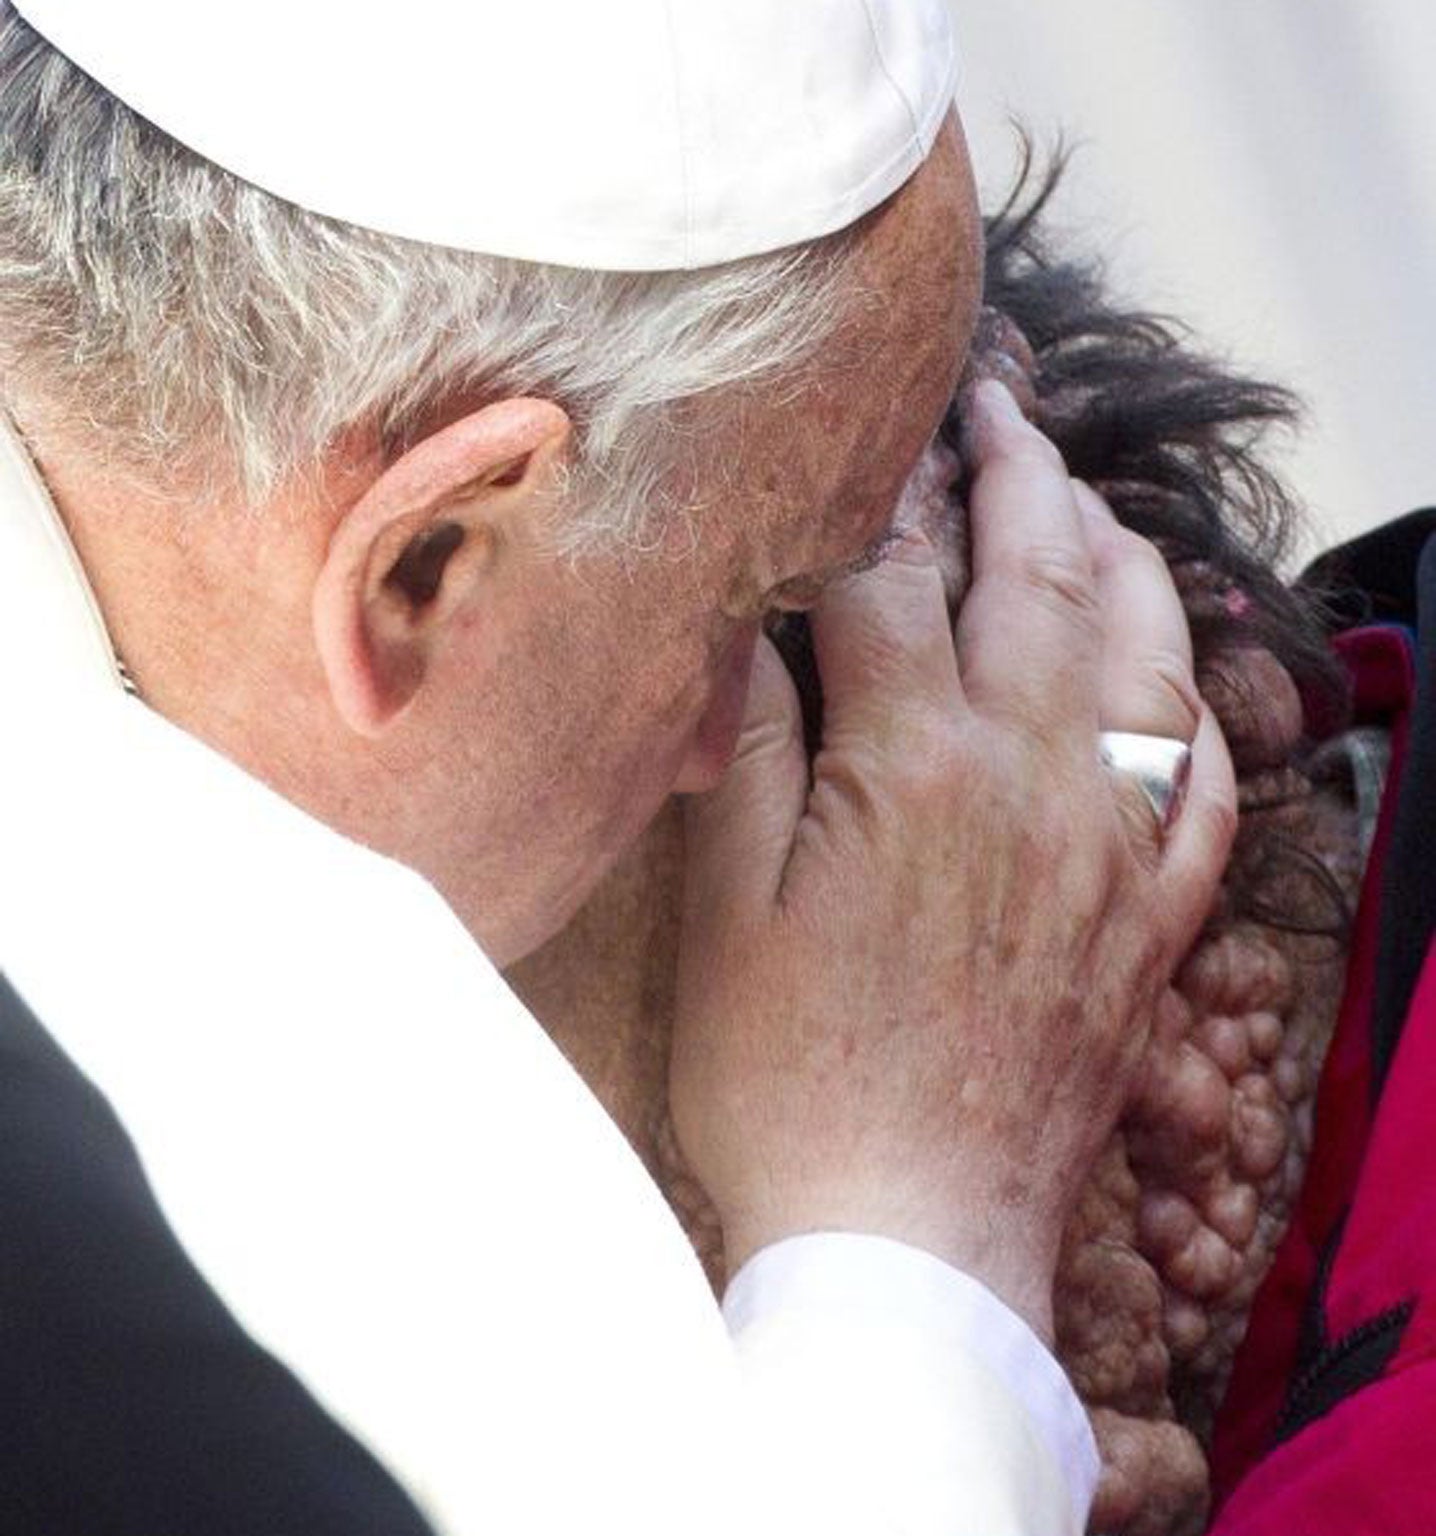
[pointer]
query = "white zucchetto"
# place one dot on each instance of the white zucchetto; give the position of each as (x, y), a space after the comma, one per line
(616, 134)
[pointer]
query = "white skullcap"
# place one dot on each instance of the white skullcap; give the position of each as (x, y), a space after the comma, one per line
(621, 134)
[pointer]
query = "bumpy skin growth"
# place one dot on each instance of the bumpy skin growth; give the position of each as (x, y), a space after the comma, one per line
(1183, 1211)
(1181, 1218)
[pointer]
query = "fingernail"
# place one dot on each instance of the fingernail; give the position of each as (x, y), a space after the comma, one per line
(997, 400)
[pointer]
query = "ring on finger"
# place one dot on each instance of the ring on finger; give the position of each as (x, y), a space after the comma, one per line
(1161, 766)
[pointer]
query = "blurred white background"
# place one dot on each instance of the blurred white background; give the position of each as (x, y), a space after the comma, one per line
(1265, 171)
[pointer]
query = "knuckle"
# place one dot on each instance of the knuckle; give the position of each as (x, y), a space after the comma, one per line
(1039, 451)
(765, 737)
(1168, 683)
(1138, 550)
(932, 759)
(907, 754)
(1062, 577)
(1223, 820)
(1065, 573)
(882, 649)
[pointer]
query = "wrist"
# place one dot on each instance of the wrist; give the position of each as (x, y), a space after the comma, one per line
(1013, 1255)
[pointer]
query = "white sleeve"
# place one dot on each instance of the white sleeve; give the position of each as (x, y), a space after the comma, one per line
(895, 1396)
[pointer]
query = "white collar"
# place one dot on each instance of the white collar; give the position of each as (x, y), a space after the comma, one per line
(53, 617)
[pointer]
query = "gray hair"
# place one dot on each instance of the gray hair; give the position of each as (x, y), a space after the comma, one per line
(211, 340)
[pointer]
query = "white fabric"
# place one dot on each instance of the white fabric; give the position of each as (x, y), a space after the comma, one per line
(398, 1185)
(627, 134)
(917, 1332)
(1264, 172)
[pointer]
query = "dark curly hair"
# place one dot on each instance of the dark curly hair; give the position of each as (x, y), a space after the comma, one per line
(1171, 437)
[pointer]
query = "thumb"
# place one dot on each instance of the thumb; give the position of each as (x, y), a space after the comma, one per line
(739, 835)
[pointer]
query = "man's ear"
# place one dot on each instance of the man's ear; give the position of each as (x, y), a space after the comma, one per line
(414, 551)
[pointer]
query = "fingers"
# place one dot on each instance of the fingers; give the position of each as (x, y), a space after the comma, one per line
(739, 834)
(1201, 838)
(1029, 636)
(884, 650)
(1146, 682)
(1146, 657)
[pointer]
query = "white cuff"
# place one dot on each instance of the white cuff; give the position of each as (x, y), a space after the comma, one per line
(932, 1399)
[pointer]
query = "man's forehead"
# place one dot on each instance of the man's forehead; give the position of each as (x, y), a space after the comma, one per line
(632, 134)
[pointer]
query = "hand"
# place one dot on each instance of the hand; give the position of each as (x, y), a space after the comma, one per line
(912, 994)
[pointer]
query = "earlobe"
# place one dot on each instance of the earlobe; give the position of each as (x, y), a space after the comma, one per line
(415, 551)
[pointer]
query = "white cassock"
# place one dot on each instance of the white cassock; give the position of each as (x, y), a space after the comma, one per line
(398, 1185)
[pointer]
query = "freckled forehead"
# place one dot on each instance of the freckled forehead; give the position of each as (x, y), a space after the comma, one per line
(924, 250)
(800, 479)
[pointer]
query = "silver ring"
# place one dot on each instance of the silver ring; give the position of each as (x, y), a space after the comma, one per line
(1161, 765)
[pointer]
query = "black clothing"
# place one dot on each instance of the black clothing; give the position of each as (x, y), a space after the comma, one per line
(131, 1402)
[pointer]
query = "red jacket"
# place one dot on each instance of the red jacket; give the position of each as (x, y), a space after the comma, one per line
(1329, 1428)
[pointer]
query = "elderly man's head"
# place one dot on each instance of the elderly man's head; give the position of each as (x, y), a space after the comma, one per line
(465, 554)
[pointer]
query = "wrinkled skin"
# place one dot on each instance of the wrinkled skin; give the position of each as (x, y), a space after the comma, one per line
(1182, 1217)
(1183, 1211)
